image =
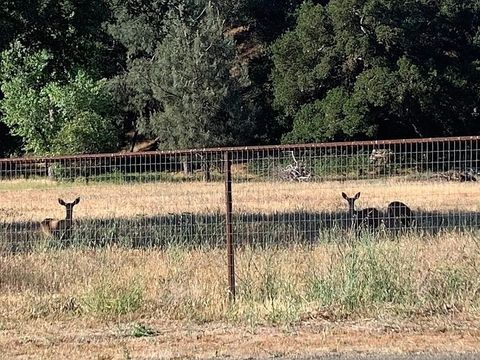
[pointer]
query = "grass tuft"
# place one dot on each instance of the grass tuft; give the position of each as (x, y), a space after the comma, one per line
(109, 298)
(142, 330)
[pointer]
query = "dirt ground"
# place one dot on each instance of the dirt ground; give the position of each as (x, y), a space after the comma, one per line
(115, 340)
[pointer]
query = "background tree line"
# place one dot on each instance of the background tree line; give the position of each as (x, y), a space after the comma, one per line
(82, 76)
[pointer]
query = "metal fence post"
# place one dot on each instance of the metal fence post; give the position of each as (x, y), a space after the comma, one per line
(229, 225)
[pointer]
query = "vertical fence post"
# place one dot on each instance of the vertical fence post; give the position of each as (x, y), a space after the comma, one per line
(229, 225)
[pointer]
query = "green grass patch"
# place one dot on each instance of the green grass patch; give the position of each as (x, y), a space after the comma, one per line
(362, 276)
(109, 298)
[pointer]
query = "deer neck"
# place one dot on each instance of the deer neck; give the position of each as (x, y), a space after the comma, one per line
(352, 210)
(69, 215)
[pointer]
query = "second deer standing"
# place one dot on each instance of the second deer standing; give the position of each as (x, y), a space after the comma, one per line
(369, 217)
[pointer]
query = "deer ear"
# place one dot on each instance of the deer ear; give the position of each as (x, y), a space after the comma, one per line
(61, 202)
(77, 200)
(357, 195)
(344, 196)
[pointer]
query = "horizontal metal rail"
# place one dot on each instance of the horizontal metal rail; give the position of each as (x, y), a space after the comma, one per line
(236, 149)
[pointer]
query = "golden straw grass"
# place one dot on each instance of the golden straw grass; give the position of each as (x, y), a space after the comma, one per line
(35, 200)
(274, 284)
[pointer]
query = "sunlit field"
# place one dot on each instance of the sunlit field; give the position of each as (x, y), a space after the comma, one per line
(369, 277)
(22, 200)
(339, 277)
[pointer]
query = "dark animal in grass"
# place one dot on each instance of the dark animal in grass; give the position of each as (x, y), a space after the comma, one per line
(369, 217)
(400, 214)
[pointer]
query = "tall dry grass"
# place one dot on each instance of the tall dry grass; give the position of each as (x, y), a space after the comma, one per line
(280, 284)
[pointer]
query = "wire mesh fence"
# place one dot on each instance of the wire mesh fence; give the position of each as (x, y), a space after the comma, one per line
(280, 194)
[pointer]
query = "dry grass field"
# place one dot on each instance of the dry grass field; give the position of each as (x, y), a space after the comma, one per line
(418, 292)
(35, 200)
(409, 277)
(410, 294)
(90, 339)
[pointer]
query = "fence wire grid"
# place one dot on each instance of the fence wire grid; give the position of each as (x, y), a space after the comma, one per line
(280, 194)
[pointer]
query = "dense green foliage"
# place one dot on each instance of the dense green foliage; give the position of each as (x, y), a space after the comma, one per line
(380, 68)
(71, 118)
(70, 30)
(189, 79)
(83, 76)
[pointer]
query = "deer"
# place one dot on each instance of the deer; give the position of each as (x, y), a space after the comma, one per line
(61, 229)
(369, 216)
(398, 211)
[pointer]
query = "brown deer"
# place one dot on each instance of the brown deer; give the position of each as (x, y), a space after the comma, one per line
(61, 229)
(369, 217)
(399, 213)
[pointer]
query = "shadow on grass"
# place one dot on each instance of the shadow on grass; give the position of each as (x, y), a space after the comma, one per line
(201, 230)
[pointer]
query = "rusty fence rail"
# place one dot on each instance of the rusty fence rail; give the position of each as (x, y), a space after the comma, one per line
(279, 194)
